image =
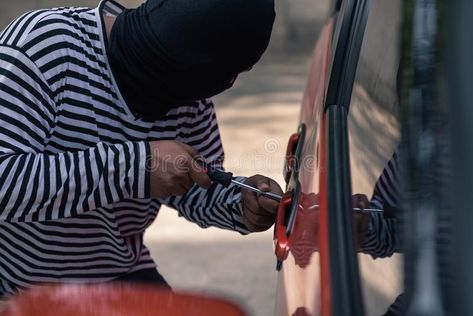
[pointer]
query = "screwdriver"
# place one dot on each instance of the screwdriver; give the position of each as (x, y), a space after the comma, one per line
(226, 178)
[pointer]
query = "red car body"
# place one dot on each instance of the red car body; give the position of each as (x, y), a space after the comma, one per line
(349, 129)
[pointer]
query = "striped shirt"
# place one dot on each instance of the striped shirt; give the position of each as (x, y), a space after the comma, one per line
(74, 195)
(384, 236)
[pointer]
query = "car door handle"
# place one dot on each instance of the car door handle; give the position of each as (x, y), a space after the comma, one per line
(290, 156)
(293, 153)
(281, 239)
(285, 220)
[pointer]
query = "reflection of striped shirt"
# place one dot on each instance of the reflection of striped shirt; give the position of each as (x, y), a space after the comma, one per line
(383, 236)
(74, 196)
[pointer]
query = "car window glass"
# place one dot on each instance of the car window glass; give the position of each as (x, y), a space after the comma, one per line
(374, 134)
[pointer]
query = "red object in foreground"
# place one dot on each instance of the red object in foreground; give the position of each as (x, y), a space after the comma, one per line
(114, 300)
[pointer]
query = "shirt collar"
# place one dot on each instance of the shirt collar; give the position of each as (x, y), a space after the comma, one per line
(113, 8)
(110, 7)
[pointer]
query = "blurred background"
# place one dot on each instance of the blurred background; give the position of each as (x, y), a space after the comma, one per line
(256, 119)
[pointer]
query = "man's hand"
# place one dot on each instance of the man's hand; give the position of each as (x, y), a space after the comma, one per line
(172, 169)
(260, 212)
(361, 220)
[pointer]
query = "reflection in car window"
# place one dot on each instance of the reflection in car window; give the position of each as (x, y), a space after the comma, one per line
(374, 134)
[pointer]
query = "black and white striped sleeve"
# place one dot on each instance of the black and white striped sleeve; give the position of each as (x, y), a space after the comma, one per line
(218, 206)
(37, 185)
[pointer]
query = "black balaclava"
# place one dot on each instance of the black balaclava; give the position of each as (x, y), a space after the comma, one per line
(168, 53)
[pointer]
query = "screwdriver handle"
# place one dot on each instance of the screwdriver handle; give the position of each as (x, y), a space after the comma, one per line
(220, 177)
(216, 175)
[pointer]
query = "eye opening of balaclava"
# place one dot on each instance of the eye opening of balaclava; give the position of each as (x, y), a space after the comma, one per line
(168, 53)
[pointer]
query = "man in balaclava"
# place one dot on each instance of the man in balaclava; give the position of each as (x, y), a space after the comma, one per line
(103, 113)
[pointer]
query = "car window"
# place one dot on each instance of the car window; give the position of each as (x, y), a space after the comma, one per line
(374, 135)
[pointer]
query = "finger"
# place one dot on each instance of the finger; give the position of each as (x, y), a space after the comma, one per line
(269, 207)
(258, 227)
(258, 205)
(256, 210)
(257, 223)
(360, 201)
(199, 175)
(200, 164)
(196, 173)
(275, 188)
(186, 182)
(250, 200)
(190, 150)
(260, 220)
(261, 203)
(263, 183)
(257, 218)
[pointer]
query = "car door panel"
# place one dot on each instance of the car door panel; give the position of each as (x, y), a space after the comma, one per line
(299, 278)
(351, 116)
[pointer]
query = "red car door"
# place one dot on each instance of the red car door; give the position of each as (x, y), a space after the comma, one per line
(319, 274)
(350, 118)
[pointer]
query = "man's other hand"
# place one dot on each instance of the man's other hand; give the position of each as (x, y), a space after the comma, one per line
(173, 170)
(361, 220)
(260, 212)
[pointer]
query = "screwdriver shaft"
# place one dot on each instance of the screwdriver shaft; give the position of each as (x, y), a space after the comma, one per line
(278, 198)
(269, 195)
(368, 210)
(360, 210)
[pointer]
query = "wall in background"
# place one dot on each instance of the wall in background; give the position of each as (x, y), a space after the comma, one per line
(297, 22)
(12, 9)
